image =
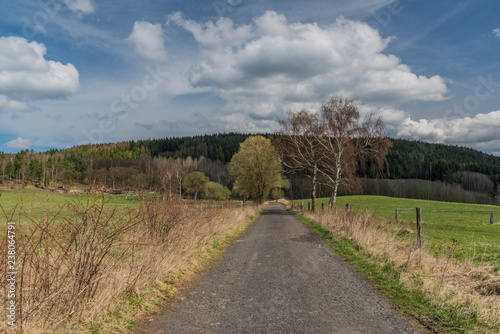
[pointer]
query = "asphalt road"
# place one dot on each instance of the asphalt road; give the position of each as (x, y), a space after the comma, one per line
(280, 277)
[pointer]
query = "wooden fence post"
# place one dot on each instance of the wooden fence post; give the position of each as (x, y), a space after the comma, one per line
(323, 207)
(348, 207)
(308, 206)
(396, 215)
(419, 227)
(491, 217)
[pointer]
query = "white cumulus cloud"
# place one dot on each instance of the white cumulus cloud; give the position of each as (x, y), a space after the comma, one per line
(7, 104)
(265, 68)
(20, 143)
(148, 40)
(482, 128)
(393, 118)
(496, 32)
(81, 6)
(25, 74)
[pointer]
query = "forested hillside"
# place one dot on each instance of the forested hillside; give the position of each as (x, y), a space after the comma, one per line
(406, 160)
(436, 162)
(215, 147)
(148, 164)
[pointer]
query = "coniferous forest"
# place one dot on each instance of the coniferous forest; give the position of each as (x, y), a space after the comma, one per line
(161, 164)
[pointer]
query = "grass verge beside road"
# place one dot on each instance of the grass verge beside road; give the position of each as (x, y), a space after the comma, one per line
(460, 230)
(444, 294)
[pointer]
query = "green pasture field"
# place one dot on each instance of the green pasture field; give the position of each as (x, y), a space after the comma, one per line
(34, 201)
(448, 229)
(16, 203)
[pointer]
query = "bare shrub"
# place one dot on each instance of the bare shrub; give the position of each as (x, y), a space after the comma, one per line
(160, 218)
(63, 259)
(80, 264)
(475, 181)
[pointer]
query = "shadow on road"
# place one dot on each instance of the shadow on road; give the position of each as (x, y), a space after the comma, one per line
(275, 209)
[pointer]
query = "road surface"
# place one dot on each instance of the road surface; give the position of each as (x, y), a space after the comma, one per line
(280, 277)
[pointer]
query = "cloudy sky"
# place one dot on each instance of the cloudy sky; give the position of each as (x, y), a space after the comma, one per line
(85, 71)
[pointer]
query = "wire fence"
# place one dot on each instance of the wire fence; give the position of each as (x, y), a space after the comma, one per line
(484, 213)
(417, 212)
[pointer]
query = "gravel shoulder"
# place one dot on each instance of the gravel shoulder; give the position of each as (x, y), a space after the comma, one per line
(280, 277)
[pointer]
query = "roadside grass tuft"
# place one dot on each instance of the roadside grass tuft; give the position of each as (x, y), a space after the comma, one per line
(439, 309)
(462, 230)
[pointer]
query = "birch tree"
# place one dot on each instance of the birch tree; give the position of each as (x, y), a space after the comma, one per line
(300, 148)
(330, 146)
(349, 142)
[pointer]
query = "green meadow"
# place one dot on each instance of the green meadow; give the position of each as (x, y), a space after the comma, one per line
(37, 202)
(459, 230)
(16, 203)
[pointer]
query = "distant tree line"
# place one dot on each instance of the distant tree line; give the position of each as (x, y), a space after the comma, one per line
(472, 170)
(111, 167)
(163, 163)
(406, 159)
(420, 189)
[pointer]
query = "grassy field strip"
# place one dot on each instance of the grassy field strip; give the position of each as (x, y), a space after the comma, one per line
(444, 294)
(39, 203)
(35, 201)
(461, 229)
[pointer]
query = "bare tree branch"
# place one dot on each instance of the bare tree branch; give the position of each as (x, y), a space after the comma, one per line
(331, 146)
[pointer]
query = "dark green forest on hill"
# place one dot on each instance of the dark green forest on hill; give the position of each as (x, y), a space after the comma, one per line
(406, 160)
(215, 147)
(436, 162)
(145, 164)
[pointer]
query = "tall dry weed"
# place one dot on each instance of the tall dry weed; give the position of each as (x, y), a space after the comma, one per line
(62, 260)
(77, 265)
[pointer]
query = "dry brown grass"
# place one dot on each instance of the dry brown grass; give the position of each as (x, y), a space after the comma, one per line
(441, 278)
(99, 268)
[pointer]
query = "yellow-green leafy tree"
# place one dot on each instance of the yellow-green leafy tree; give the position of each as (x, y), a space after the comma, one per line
(256, 169)
(194, 183)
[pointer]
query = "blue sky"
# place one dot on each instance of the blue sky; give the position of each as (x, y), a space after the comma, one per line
(86, 71)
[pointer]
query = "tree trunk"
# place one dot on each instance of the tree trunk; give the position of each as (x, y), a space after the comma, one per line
(333, 198)
(314, 185)
(179, 180)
